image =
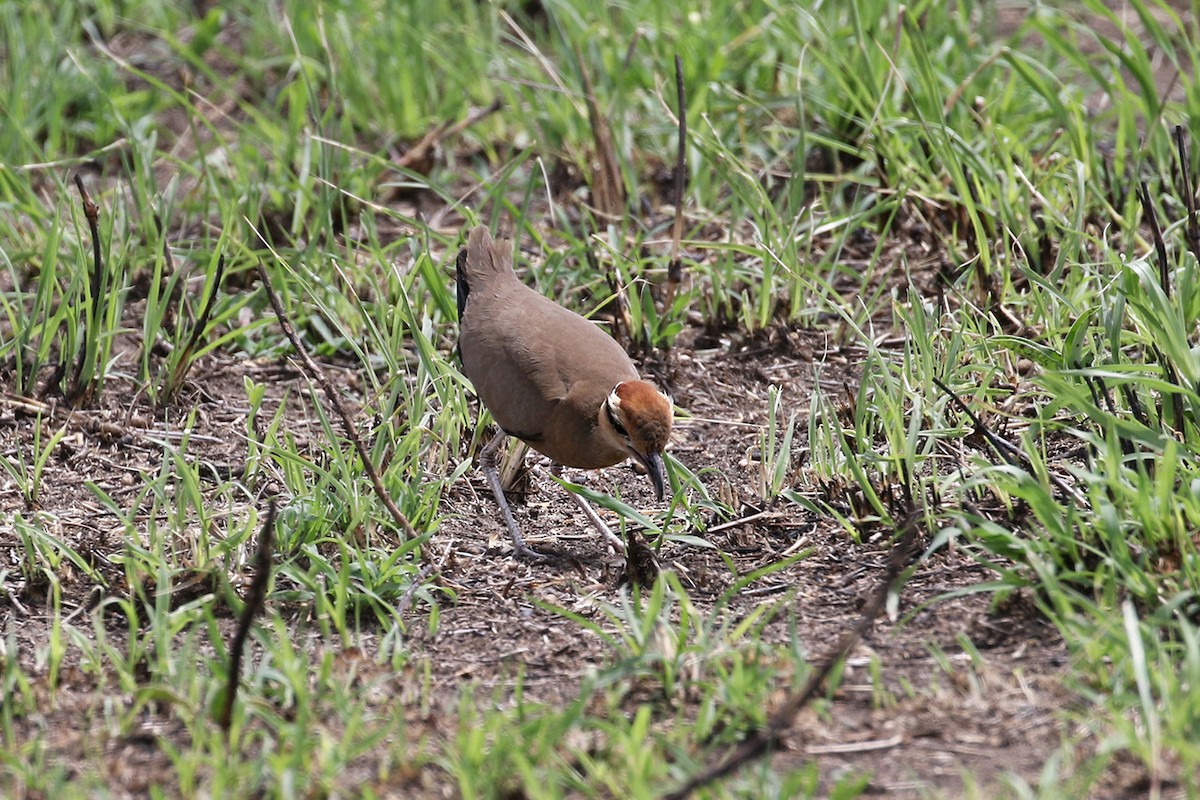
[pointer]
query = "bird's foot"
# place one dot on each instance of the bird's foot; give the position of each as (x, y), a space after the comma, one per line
(524, 552)
(527, 553)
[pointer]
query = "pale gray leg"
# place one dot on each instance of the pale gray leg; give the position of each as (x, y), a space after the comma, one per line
(614, 541)
(487, 461)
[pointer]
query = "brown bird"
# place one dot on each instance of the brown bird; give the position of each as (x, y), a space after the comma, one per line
(551, 379)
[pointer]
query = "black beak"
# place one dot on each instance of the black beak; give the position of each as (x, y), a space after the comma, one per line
(654, 467)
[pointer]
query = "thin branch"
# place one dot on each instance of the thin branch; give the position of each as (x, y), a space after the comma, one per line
(675, 264)
(256, 597)
(1101, 392)
(1008, 451)
(318, 375)
(762, 741)
(1192, 230)
(1160, 247)
(92, 212)
(1172, 377)
(675, 269)
(418, 151)
(608, 187)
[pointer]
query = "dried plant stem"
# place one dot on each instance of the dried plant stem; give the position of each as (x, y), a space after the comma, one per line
(318, 375)
(1192, 229)
(77, 394)
(762, 741)
(256, 597)
(421, 149)
(675, 266)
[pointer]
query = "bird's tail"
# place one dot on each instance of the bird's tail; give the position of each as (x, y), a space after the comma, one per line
(478, 262)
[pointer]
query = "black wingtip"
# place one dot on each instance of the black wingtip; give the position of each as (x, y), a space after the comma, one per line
(460, 281)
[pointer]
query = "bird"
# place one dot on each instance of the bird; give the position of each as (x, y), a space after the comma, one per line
(552, 379)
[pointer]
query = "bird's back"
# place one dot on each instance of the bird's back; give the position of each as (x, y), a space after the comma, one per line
(542, 370)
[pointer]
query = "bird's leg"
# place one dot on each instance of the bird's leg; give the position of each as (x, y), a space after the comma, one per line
(614, 541)
(487, 461)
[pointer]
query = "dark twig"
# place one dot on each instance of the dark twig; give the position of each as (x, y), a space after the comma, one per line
(1008, 451)
(91, 211)
(763, 740)
(1099, 389)
(256, 597)
(1135, 404)
(202, 320)
(1172, 377)
(420, 150)
(675, 265)
(634, 41)
(318, 375)
(1160, 247)
(1177, 400)
(419, 580)
(1192, 230)
(608, 188)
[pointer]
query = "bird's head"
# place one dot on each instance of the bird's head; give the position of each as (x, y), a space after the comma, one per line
(640, 417)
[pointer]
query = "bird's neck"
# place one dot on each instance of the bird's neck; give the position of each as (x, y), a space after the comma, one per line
(606, 427)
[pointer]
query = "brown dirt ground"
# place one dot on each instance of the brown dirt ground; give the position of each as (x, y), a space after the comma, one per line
(987, 720)
(1004, 716)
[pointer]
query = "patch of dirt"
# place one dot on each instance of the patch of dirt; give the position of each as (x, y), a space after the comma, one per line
(941, 722)
(943, 711)
(928, 725)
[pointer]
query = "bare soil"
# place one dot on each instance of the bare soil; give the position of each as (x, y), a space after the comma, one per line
(1003, 715)
(932, 726)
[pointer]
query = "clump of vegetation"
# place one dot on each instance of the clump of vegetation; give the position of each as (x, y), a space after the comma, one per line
(929, 273)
